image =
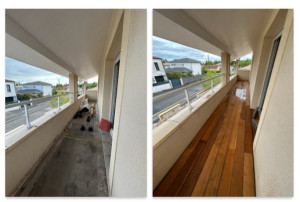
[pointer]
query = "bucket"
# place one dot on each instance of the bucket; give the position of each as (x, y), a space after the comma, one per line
(105, 125)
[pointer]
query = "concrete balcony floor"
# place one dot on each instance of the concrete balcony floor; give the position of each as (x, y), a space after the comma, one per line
(219, 160)
(75, 164)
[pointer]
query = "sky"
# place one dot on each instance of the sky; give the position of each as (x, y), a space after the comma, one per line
(24, 73)
(170, 50)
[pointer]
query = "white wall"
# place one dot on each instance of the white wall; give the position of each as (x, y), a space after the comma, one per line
(128, 165)
(162, 71)
(159, 88)
(12, 88)
(243, 75)
(273, 144)
(47, 90)
(22, 156)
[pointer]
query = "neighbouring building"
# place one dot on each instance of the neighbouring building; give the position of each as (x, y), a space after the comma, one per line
(10, 92)
(194, 65)
(158, 71)
(31, 91)
(159, 76)
(45, 88)
(182, 70)
(213, 67)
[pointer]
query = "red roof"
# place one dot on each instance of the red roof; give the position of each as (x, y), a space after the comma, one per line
(62, 88)
(212, 66)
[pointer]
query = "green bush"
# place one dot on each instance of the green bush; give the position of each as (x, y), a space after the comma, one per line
(62, 99)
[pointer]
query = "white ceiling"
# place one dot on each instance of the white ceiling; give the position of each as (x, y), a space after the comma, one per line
(76, 37)
(233, 30)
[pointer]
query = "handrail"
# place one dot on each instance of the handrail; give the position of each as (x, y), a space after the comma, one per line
(167, 94)
(34, 100)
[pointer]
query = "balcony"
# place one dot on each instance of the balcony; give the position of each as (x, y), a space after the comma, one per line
(219, 160)
(51, 155)
(227, 143)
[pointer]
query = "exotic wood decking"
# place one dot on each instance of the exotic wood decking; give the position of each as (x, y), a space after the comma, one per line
(219, 160)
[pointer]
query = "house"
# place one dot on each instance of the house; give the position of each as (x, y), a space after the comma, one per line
(182, 70)
(10, 91)
(158, 70)
(213, 67)
(194, 65)
(239, 139)
(31, 91)
(160, 80)
(81, 44)
(45, 88)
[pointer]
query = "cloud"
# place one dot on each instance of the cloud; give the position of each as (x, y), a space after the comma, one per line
(23, 73)
(170, 50)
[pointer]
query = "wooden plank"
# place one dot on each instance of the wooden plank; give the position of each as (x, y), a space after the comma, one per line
(163, 187)
(248, 181)
(201, 183)
(213, 184)
(236, 188)
(191, 181)
(188, 186)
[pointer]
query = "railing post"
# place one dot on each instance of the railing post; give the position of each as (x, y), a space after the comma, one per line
(188, 99)
(212, 85)
(27, 116)
(58, 106)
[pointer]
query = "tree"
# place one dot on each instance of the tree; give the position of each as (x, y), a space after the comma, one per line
(54, 91)
(244, 63)
(203, 70)
(91, 85)
(164, 60)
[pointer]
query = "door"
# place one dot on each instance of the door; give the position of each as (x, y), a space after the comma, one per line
(258, 110)
(114, 91)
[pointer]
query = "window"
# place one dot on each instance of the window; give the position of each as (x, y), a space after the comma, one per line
(8, 88)
(156, 66)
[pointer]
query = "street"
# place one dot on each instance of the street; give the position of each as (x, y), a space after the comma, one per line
(16, 118)
(168, 101)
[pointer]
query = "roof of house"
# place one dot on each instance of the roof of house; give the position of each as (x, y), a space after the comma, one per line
(6, 80)
(154, 57)
(38, 83)
(178, 69)
(185, 60)
(212, 66)
(33, 91)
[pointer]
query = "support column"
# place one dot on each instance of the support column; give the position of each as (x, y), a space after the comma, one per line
(73, 87)
(237, 65)
(84, 87)
(225, 63)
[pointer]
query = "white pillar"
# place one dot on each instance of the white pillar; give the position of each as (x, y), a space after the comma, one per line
(225, 63)
(84, 87)
(73, 87)
(236, 65)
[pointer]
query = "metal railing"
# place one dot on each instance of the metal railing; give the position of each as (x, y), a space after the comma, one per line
(38, 100)
(188, 98)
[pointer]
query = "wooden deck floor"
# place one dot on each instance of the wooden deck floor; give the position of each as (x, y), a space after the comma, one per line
(219, 160)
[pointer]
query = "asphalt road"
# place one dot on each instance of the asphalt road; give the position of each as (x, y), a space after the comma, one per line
(165, 103)
(16, 118)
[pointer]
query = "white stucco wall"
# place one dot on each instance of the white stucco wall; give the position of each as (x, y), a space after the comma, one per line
(273, 144)
(128, 164)
(12, 88)
(47, 90)
(162, 71)
(159, 88)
